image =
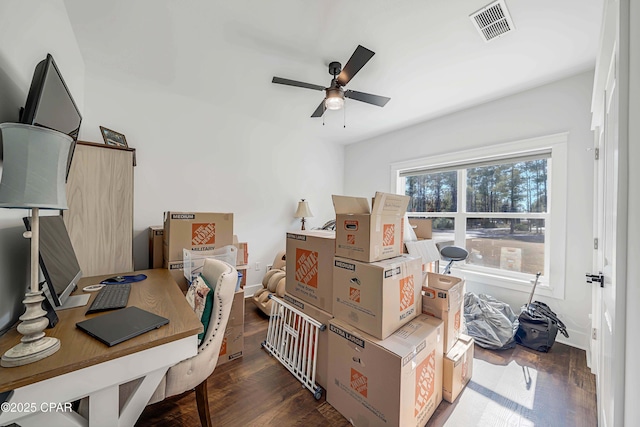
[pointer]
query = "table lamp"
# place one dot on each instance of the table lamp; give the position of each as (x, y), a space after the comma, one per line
(303, 211)
(34, 168)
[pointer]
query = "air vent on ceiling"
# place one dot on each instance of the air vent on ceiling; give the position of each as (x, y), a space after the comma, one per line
(493, 20)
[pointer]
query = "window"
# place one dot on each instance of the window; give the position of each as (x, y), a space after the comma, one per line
(505, 204)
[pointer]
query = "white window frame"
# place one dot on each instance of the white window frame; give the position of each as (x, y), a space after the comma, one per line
(552, 284)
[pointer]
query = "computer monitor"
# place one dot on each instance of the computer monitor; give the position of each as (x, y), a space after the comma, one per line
(50, 104)
(59, 264)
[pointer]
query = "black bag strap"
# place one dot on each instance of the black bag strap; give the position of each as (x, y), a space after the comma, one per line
(544, 310)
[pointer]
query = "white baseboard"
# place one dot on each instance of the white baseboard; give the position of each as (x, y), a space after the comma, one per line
(576, 339)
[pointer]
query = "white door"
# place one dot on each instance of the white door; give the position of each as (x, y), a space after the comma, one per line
(605, 349)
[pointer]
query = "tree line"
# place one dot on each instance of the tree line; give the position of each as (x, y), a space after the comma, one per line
(510, 187)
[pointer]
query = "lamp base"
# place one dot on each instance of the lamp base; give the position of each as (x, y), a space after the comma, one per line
(34, 345)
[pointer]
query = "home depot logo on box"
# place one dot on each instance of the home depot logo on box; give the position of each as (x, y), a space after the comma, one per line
(354, 294)
(359, 382)
(351, 239)
(407, 292)
(388, 236)
(425, 379)
(456, 323)
(203, 234)
(464, 370)
(307, 267)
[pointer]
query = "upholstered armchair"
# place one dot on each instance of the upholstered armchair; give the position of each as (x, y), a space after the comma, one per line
(193, 373)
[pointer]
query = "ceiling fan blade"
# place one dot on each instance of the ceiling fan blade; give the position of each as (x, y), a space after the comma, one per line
(360, 57)
(280, 80)
(319, 111)
(378, 100)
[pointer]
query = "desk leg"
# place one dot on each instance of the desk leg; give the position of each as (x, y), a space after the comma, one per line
(103, 405)
(138, 400)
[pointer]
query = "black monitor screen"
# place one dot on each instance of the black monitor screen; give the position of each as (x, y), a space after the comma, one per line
(50, 104)
(58, 260)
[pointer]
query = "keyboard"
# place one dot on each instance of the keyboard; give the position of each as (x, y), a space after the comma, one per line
(111, 297)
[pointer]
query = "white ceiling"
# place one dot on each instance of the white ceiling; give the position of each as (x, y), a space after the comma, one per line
(429, 60)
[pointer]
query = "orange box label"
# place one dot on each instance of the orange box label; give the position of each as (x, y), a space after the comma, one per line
(351, 239)
(354, 294)
(456, 322)
(425, 382)
(389, 234)
(223, 347)
(307, 267)
(359, 382)
(407, 292)
(203, 234)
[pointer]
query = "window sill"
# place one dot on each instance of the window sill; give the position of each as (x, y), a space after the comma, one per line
(512, 283)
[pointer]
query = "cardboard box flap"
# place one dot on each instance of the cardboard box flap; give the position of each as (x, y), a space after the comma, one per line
(442, 282)
(459, 349)
(390, 204)
(350, 205)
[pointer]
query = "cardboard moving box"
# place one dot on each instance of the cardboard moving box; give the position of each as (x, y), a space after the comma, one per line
(199, 231)
(374, 234)
(458, 368)
(391, 382)
(443, 297)
(176, 268)
(310, 267)
(422, 227)
(322, 358)
(377, 297)
(233, 341)
(156, 255)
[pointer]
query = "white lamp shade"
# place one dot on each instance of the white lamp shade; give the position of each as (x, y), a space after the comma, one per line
(303, 210)
(34, 167)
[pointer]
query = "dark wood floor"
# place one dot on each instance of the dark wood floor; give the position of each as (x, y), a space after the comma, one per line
(517, 387)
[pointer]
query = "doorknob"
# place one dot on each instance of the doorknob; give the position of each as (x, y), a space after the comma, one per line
(596, 278)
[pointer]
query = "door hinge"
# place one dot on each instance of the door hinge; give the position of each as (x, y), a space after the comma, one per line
(594, 334)
(596, 153)
(595, 243)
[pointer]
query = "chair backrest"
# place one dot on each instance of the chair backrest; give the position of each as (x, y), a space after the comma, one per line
(191, 372)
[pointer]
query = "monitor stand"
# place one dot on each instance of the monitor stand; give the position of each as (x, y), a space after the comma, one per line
(74, 301)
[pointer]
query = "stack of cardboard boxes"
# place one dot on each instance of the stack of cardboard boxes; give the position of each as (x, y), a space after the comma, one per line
(443, 298)
(199, 232)
(385, 357)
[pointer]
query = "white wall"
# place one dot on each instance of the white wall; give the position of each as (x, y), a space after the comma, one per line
(194, 155)
(563, 106)
(28, 30)
(632, 348)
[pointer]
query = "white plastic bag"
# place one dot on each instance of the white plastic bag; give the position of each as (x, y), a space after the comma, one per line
(490, 322)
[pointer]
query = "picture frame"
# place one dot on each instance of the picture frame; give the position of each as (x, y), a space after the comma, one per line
(111, 137)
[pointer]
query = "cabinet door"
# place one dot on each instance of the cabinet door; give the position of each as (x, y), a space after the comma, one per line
(100, 215)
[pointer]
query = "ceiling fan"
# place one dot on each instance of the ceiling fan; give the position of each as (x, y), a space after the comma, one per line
(335, 94)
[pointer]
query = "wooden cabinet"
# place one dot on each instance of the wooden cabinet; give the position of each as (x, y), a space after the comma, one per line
(100, 215)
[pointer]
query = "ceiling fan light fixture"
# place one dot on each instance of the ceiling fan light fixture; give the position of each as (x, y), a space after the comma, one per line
(335, 99)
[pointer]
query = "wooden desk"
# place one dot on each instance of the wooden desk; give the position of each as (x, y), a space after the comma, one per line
(85, 367)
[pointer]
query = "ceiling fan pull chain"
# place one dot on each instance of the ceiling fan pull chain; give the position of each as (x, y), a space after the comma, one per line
(344, 117)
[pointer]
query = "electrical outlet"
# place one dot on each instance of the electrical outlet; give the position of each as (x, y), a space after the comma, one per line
(269, 267)
(257, 266)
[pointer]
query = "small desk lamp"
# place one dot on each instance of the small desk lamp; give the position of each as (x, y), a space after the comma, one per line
(35, 164)
(303, 211)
